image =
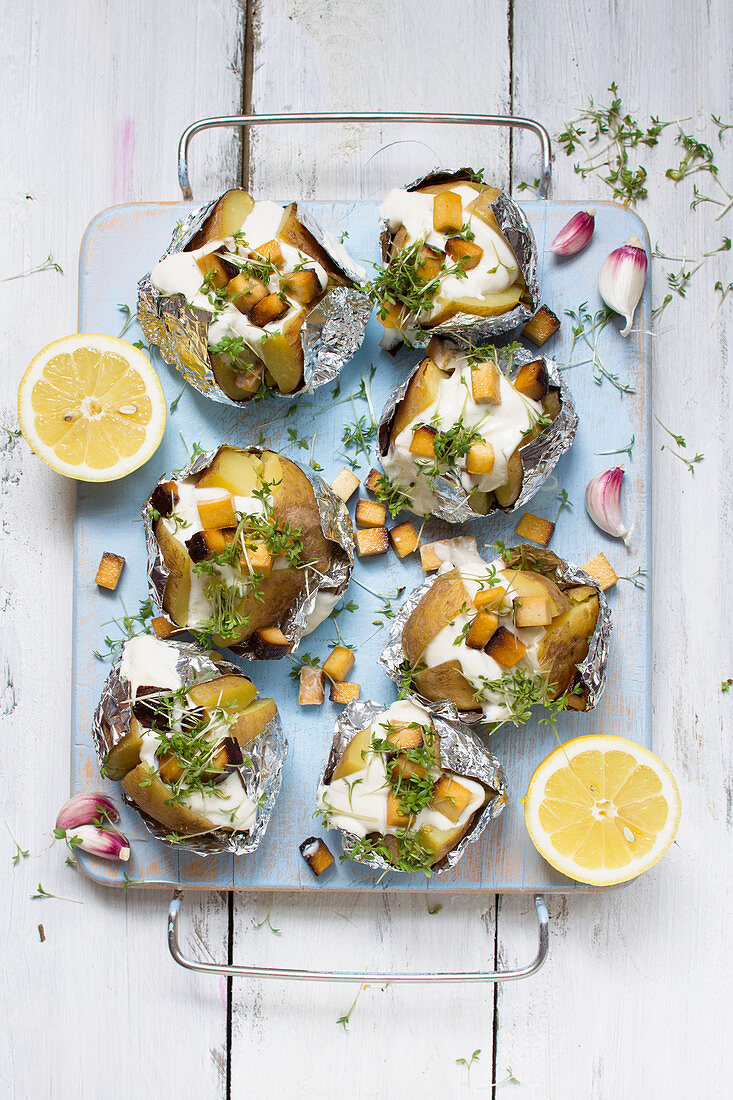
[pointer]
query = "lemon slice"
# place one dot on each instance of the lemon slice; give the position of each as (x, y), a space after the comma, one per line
(602, 809)
(91, 407)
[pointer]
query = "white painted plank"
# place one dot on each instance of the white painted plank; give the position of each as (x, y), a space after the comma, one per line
(634, 999)
(95, 97)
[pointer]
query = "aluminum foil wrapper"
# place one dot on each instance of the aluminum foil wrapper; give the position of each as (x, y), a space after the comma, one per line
(539, 456)
(335, 524)
(513, 224)
(591, 671)
(263, 760)
(460, 751)
(332, 331)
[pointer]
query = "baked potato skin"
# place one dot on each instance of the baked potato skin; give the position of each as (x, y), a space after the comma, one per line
(148, 791)
(446, 681)
(441, 603)
(566, 643)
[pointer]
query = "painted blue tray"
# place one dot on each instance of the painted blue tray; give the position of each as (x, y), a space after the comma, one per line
(119, 246)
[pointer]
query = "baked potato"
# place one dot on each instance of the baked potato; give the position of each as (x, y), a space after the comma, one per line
(465, 416)
(499, 638)
(180, 759)
(444, 256)
(390, 792)
(259, 273)
(242, 542)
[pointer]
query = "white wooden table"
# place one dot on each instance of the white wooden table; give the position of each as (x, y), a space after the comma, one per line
(635, 998)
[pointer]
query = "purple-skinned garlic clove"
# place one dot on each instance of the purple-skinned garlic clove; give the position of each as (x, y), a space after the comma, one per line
(621, 280)
(83, 809)
(99, 842)
(575, 235)
(603, 503)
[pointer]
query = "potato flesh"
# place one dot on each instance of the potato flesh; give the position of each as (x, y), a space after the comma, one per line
(224, 693)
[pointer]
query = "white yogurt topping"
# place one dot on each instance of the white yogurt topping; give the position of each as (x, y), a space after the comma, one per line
(358, 803)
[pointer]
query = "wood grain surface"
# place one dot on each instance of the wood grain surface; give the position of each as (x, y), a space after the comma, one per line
(635, 998)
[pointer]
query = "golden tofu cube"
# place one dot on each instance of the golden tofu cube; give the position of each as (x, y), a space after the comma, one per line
(316, 854)
(369, 513)
(423, 441)
(269, 251)
(541, 327)
(371, 541)
(162, 628)
(217, 513)
(339, 663)
(395, 816)
(480, 459)
(483, 627)
(489, 597)
(404, 539)
(269, 310)
(258, 557)
(429, 263)
(209, 541)
(532, 380)
(311, 691)
(169, 768)
(302, 286)
(345, 484)
(109, 571)
(404, 735)
(213, 270)
(601, 570)
(245, 292)
(344, 693)
(390, 314)
(270, 644)
(532, 611)
(486, 383)
(535, 528)
(429, 560)
(450, 798)
(467, 253)
(505, 648)
(403, 768)
(447, 212)
(372, 480)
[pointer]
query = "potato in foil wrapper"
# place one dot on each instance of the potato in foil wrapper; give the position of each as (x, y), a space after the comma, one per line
(260, 772)
(332, 331)
(461, 752)
(335, 524)
(591, 674)
(539, 457)
(465, 327)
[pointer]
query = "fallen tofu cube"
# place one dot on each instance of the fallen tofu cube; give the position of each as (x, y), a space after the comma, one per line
(532, 380)
(370, 541)
(271, 252)
(467, 253)
(404, 539)
(270, 644)
(109, 571)
(316, 854)
(489, 597)
(372, 480)
(311, 691)
(532, 611)
(505, 648)
(213, 270)
(423, 441)
(344, 693)
(601, 570)
(269, 309)
(370, 513)
(162, 628)
(541, 327)
(217, 514)
(447, 212)
(302, 286)
(339, 663)
(484, 626)
(480, 459)
(535, 528)
(450, 798)
(486, 383)
(345, 484)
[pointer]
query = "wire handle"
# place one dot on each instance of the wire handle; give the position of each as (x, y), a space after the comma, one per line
(245, 121)
(295, 975)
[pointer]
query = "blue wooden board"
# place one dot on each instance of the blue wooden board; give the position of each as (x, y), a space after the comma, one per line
(119, 246)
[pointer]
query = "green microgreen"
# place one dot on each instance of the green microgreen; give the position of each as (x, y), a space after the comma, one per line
(41, 893)
(49, 264)
(130, 626)
(621, 450)
(128, 316)
(467, 1063)
(174, 403)
(20, 853)
(266, 922)
(726, 685)
(635, 578)
(402, 283)
(587, 329)
(344, 1020)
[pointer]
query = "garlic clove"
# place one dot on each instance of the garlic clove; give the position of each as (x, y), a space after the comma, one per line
(603, 503)
(575, 235)
(83, 809)
(100, 842)
(621, 280)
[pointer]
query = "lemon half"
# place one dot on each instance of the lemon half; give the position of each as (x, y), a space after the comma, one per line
(92, 407)
(602, 809)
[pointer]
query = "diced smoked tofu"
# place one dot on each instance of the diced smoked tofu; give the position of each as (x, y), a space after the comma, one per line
(429, 263)
(270, 644)
(404, 735)
(339, 663)
(532, 380)
(110, 568)
(429, 560)
(450, 798)
(228, 755)
(245, 292)
(345, 484)
(371, 541)
(404, 539)
(311, 686)
(344, 693)
(258, 557)
(485, 383)
(390, 314)
(535, 528)
(372, 480)
(423, 441)
(162, 628)
(270, 251)
(213, 269)
(207, 542)
(489, 597)
(532, 611)
(270, 309)
(395, 816)
(403, 768)
(169, 768)
(601, 570)
(447, 212)
(541, 327)
(467, 253)
(217, 513)
(505, 648)
(302, 286)
(483, 627)
(480, 459)
(369, 513)
(164, 498)
(316, 854)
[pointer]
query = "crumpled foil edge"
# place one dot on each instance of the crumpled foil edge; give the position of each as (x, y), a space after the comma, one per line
(460, 751)
(335, 524)
(111, 721)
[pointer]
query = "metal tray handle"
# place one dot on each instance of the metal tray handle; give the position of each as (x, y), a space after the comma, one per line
(245, 121)
(294, 975)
